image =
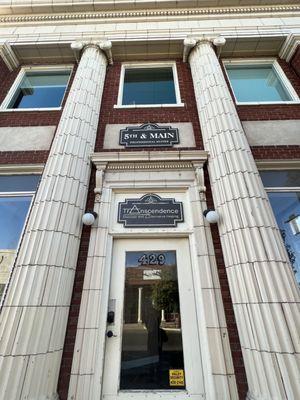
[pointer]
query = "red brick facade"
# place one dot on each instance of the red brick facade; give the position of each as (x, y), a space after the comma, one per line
(295, 63)
(110, 115)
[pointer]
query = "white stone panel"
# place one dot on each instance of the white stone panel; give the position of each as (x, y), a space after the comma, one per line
(272, 133)
(112, 131)
(25, 138)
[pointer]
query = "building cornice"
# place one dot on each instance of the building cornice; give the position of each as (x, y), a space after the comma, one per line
(54, 17)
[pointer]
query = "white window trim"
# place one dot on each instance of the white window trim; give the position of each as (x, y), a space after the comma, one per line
(15, 86)
(145, 65)
(281, 75)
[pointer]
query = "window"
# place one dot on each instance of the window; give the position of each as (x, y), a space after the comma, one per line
(283, 187)
(259, 81)
(16, 192)
(37, 88)
(145, 85)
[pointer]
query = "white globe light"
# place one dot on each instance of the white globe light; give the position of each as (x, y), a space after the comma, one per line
(88, 218)
(211, 216)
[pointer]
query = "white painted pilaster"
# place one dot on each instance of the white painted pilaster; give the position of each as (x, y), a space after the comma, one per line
(263, 289)
(35, 312)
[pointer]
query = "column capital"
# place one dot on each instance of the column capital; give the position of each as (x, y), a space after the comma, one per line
(104, 45)
(190, 42)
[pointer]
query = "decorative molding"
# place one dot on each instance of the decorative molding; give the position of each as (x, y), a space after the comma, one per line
(153, 165)
(17, 169)
(148, 13)
(105, 45)
(191, 42)
(99, 181)
(133, 157)
(200, 179)
(8, 56)
(188, 44)
(277, 164)
(289, 47)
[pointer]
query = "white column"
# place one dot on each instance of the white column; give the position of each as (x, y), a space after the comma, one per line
(140, 305)
(262, 284)
(34, 317)
(163, 318)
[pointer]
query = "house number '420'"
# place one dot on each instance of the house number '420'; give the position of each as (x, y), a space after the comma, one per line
(152, 259)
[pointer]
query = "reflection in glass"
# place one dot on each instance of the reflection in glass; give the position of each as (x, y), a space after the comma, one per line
(286, 207)
(19, 183)
(40, 90)
(252, 83)
(148, 86)
(282, 178)
(13, 211)
(152, 340)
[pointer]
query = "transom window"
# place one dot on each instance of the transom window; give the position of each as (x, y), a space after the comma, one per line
(283, 189)
(149, 85)
(259, 81)
(38, 88)
(16, 192)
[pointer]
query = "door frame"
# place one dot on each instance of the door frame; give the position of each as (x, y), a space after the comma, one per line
(190, 334)
(173, 174)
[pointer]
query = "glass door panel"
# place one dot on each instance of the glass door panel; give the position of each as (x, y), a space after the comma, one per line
(151, 338)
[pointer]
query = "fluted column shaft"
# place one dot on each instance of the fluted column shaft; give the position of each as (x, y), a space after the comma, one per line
(34, 317)
(263, 289)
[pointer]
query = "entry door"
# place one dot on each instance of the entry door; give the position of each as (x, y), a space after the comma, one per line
(152, 344)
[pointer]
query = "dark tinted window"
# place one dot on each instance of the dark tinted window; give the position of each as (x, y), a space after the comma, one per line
(41, 90)
(19, 183)
(149, 86)
(285, 178)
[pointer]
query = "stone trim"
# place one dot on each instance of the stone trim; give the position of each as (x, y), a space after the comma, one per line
(152, 13)
(8, 56)
(181, 173)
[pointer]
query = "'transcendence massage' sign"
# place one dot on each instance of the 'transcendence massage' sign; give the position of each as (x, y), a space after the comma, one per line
(149, 211)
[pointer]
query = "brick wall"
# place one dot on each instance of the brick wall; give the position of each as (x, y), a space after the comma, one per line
(234, 340)
(295, 62)
(276, 152)
(67, 357)
(23, 157)
(109, 115)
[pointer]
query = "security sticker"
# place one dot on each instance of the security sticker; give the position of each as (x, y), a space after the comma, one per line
(176, 377)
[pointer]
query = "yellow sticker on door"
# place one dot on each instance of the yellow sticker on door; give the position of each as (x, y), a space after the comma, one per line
(176, 377)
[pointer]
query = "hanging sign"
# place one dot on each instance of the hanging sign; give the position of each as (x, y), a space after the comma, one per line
(149, 135)
(149, 211)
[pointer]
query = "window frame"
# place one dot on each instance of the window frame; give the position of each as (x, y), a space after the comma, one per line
(148, 65)
(279, 166)
(263, 62)
(30, 169)
(33, 68)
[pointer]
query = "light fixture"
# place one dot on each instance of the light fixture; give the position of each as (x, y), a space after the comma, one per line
(89, 217)
(294, 223)
(211, 216)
